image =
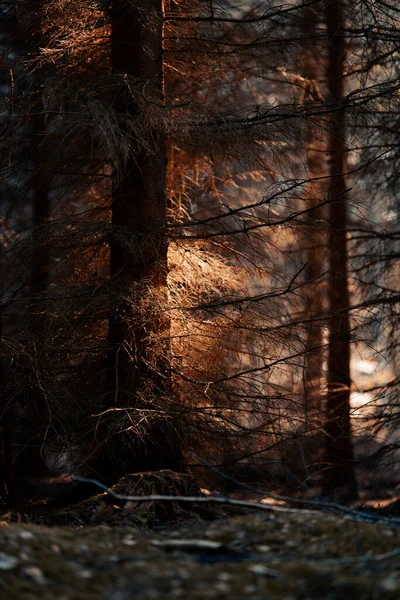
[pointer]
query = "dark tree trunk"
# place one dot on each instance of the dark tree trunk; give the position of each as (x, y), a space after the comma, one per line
(139, 246)
(23, 442)
(40, 221)
(339, 474)
(31, 461)
(7, 469)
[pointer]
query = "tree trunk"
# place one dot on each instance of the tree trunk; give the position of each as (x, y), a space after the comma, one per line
(313, 368)
(339, 475)
(23, 444)
(31, 460)
(40, 221)
(139, 374)
(7, 468)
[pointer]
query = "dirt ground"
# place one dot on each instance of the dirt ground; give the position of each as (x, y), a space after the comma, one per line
(109, 548)
(274, 555)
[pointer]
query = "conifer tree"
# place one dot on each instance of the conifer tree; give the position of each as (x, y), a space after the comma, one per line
(139, 243)
(177, 205)
(339, 473)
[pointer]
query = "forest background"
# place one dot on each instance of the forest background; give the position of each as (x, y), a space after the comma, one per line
(199, 244)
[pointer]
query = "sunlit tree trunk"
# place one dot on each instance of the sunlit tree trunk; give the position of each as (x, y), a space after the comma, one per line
(339, 475)
(138, 253)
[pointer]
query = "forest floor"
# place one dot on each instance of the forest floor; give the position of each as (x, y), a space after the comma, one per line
(111, 552)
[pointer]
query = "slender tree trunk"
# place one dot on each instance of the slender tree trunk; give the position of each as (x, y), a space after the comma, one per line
(313, 368)
(339, 475)
(314, 336)
(138, 253)
(32, 461)
(7, 479)
(40, 221)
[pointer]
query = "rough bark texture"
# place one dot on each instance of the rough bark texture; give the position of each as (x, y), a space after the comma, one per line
(339, 473)
(138, 252)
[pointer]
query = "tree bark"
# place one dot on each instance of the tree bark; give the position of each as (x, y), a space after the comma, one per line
(7, 467)
(40, 221)
(339, 475)
(313, 368)
(139, 245)
(31, 461)
(23, 445)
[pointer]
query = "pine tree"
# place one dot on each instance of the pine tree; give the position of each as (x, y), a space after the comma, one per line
(339, 474)
(139, 245)
(314, 234)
